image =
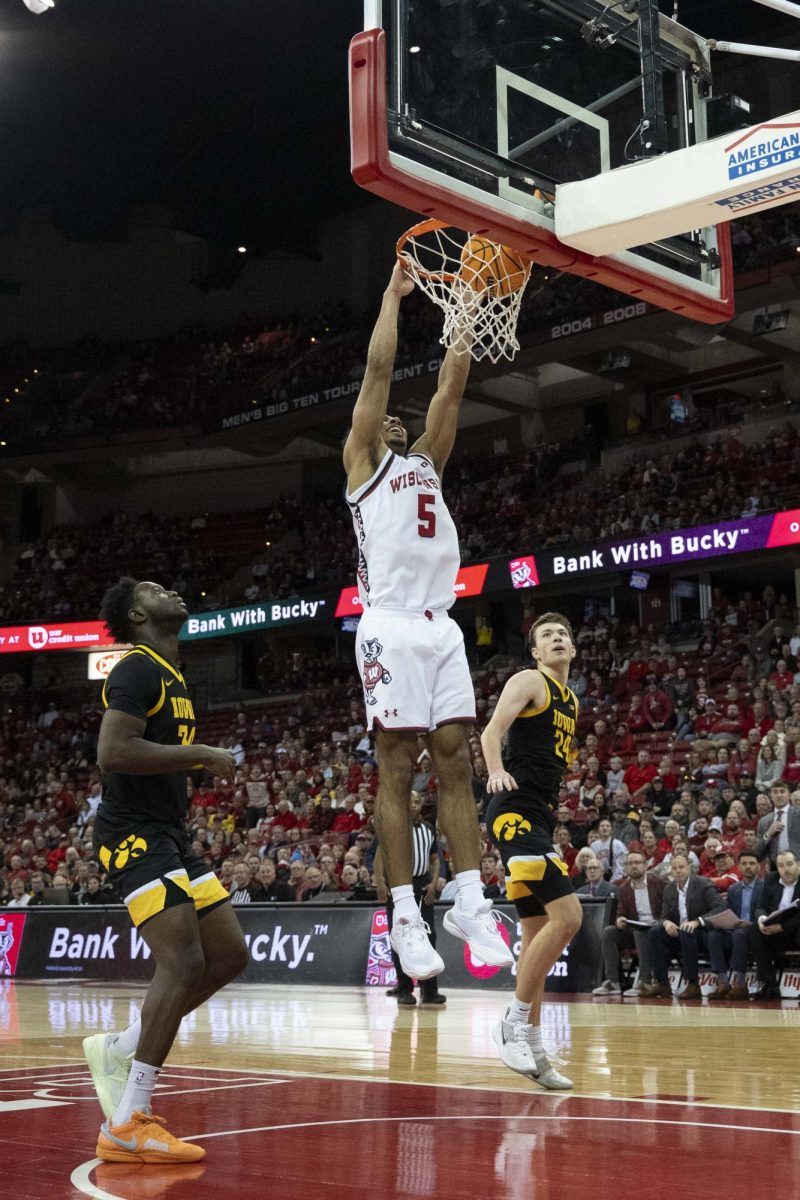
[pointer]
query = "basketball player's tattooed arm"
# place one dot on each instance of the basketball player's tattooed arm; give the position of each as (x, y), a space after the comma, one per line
(365, 447)
(522, 691)
(121, 748)
(441, 422)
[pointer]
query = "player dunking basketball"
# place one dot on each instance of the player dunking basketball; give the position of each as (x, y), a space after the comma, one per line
(538, 713)
(410, 653)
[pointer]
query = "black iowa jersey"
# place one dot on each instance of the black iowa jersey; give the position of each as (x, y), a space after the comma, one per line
(538, 747)
(145, 685)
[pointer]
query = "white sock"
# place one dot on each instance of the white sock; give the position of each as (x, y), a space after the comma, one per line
(534, 1035)
(518, 1012)
(125, 1043)
(405, 906)
(138, 1091)
(470, 892)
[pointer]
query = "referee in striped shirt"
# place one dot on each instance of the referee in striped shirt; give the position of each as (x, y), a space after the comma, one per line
(425, 872)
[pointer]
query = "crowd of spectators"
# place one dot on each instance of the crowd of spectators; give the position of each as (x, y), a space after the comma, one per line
(92, 390)
(307, 543)
(686, 753)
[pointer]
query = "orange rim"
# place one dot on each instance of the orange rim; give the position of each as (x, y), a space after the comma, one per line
(419, 230)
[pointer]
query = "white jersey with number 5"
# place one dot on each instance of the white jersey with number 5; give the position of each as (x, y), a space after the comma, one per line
(408, 554)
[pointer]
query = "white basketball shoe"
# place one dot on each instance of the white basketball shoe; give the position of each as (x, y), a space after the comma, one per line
(417, 956)
(518, 1054)
(480, 930)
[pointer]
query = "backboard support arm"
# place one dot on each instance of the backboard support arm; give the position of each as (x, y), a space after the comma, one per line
(653, 130)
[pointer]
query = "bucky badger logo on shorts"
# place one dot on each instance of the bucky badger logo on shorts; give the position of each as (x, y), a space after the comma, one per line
(373, 671)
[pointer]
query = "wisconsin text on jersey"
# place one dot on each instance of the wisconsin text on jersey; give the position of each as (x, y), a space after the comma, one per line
(414, 479)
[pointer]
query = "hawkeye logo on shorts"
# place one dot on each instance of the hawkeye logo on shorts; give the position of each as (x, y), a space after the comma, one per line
(132, 847)
(508, 825)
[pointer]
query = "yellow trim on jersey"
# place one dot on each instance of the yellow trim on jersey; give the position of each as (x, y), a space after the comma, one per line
(159, 703)
(149, 650)
(207, 890)
(140, 650)
(528, 869)
(150, 900)
(530, 711)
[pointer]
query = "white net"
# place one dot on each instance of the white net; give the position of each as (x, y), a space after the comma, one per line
(478, 284)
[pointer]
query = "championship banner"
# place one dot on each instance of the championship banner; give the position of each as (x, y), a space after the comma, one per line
(345, 389)
(75, 635)
(659, 549)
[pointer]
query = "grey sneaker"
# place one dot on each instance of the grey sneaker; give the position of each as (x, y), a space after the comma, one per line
(517, 1054)
(607, 988)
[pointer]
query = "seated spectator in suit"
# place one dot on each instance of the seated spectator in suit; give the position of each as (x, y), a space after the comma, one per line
(686, 899)
(640, 899)
(595, 884)
(728, 948)
(578, 871)
(768, 942)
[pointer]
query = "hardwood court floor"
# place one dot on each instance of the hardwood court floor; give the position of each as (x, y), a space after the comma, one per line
(333, 1092)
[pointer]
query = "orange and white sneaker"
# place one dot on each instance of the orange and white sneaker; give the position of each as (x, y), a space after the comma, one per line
(144, 1139)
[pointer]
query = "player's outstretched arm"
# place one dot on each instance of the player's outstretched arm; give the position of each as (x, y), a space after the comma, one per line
(442, 421)
(522, 690)
(364, 440)
(121, 748)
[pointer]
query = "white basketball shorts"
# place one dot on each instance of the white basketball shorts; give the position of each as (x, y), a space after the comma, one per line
(413, 670)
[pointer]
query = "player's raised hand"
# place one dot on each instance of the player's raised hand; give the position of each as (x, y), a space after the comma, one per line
(219, 761)
(501, 781)
(401, 281)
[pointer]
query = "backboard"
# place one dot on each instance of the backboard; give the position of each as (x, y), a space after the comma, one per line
(473, 111)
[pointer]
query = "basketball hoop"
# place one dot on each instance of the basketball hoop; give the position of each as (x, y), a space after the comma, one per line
(478, 285)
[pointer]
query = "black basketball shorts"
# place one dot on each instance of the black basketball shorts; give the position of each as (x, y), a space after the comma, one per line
(535, 872)
(154, 868)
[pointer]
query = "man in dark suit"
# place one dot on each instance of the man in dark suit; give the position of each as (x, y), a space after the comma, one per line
(780, 829)
(596, 883)
(640, 899)
(768, 942)
(687, 899)
(728, 948)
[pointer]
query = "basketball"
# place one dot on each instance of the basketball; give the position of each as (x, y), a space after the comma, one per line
(487, 265)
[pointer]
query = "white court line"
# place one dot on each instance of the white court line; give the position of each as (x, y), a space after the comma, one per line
(199, 1137)
(80, 1176)
(287, 1074)
(540, 1095)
